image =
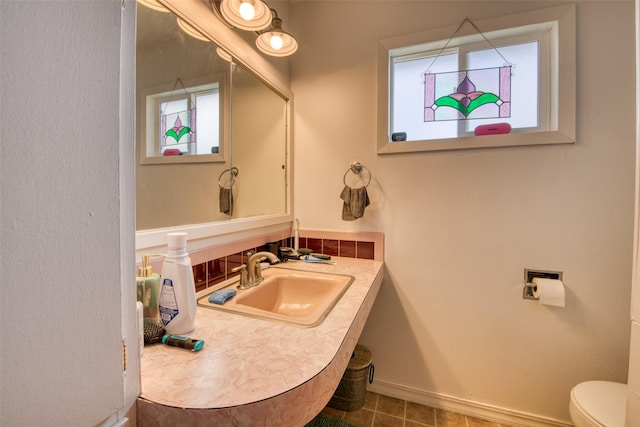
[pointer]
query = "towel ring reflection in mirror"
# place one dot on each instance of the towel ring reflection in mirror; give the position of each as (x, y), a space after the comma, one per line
(233, 172)
(356, 169)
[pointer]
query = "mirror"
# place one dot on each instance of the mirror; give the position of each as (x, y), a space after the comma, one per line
(247, 132)
(258, 134)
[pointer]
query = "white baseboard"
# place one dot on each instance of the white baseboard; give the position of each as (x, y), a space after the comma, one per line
(462, 406)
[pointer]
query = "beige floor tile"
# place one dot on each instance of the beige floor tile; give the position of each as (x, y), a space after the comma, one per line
(370, 400)
(391, 406)
(476, 422)
(450, 419)
(385, 411)
(420, 413)
(384, 420)
(362, 417)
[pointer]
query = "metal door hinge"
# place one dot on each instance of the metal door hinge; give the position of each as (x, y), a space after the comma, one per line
(124, 355)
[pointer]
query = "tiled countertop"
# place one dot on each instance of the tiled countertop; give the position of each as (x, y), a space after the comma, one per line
(258, 372)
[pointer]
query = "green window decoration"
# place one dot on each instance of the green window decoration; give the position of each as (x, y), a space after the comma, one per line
(178, 133)
(467, 101)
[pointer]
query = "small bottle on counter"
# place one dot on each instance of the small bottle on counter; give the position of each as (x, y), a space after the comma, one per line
(148, 289)
(178, 294)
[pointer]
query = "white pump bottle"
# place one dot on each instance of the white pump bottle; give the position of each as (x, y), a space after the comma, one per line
(178, 293)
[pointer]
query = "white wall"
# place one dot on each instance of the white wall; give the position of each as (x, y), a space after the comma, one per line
(633, 396)
(66, 214)
(460, 227)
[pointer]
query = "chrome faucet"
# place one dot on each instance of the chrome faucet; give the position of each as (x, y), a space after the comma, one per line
(254, 270)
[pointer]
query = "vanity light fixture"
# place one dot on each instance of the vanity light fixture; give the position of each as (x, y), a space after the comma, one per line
(248, 15)
(256, 15)
(224, 54)
(191, 31)
(154, 4)
(275, 41)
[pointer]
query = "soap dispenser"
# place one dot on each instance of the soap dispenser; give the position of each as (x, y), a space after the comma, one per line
(148, 289)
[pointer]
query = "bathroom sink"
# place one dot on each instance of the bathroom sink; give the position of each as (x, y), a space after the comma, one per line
(303, 298)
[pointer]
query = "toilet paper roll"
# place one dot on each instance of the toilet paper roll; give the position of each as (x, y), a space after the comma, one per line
(549, 291)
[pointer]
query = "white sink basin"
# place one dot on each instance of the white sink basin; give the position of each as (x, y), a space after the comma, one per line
(303, 298)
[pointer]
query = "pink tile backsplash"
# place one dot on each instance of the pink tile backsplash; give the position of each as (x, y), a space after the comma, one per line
(216, 270)
(215, 264)
(314, 244)
(348, 248)
(330, 247)
(365, 250)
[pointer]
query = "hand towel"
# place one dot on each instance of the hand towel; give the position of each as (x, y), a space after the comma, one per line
(226, 200)
(355, 200)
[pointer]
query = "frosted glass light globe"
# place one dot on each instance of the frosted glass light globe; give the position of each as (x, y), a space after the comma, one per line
(276, 42)
(247, 11)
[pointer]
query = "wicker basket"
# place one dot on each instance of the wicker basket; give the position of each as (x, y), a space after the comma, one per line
(350, 394)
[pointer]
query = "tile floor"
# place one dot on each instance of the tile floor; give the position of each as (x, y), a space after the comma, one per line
(384, 411)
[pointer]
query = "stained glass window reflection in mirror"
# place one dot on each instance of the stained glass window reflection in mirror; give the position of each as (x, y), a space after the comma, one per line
(187, 122)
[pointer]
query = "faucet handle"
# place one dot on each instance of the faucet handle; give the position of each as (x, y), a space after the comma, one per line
(239, 268)
(244, 276)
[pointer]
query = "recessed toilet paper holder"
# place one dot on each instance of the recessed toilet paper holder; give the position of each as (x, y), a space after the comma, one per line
(529, 275)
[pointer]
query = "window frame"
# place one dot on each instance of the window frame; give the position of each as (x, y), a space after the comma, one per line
(150, 100)
(560, 85)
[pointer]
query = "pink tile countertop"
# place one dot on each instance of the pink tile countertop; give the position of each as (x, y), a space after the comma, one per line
(255, 372)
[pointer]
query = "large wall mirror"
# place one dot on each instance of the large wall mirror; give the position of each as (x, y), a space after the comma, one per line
(235, 167)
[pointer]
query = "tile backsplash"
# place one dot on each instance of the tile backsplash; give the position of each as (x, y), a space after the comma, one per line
(210, 267)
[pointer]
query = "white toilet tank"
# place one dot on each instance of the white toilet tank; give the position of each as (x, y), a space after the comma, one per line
(598, 404)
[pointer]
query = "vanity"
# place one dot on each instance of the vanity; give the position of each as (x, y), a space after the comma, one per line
(251, 371)
(256, 371)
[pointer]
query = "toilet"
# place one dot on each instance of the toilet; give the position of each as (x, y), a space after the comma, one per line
(598, 404)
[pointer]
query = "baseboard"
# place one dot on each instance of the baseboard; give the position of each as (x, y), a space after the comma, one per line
(462, 406)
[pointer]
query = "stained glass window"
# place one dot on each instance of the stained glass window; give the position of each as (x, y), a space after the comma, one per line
(465, 88)
(178, 130)
(451, 88)
(481, 93)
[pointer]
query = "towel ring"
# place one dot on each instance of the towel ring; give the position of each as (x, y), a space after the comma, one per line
(356, 169)
(233, 172)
